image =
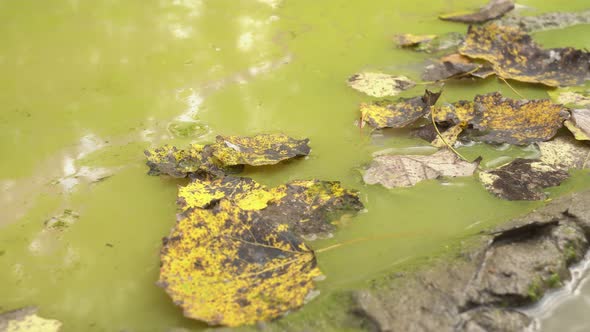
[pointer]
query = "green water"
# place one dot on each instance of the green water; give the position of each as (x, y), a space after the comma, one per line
(88, 85)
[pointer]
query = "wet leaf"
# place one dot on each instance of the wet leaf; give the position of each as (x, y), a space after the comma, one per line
(493, 10)
(579, 124)
(505, 120)
(546, 21)
(178, 163)
(461, 112)
(63, 220)
(522, 179)
(455, 66)
(237, 256)
(379, 84)
(450, 137)
(387, 114)
(226, 268)
(406, 170)
(565, 153)
(424, 43)
(408, 39)
(571, 96)
(263, 149)
(514, 55)
(26, 320)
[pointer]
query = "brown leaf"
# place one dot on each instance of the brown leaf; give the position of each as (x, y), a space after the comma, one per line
(385, 114)
(494, 9)
(579, 124)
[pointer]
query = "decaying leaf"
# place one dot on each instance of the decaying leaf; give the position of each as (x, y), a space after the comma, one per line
(571, 96)
(546, 21)
(236, 255)
(505, 120)
(387, 114)
(514, 55)
(379, 84)
(406, 170)
(26, 320)
(461, 112)
(264, 149)
(225, 156)
(565, 153)
(522, 179)
(447, 67)
(449, 137)
(579, 124)
(408, 39)
(226, 268)
(429, 43)
(493, 10)
(63, 220)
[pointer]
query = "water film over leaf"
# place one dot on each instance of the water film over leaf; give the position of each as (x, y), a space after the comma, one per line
(575, 96)
(514, 55)
(393, 171)
(565, 152)
(379, 84)
(26, 320)
(493, 10)
(429, 43)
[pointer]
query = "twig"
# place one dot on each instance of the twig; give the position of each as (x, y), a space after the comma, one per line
(510, 86)
(443, 139)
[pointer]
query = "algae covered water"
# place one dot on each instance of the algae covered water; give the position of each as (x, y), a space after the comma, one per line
(89, 85)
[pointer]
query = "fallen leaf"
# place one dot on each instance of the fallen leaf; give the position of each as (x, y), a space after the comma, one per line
(379, 84)
(565, 153)
(63, 220)
(386, 114)
(514, 55)
(571, 96)
(26, 320)
(493, 10)
(408, 39)
(505, 120)
(236, 255)
(546, 21)
(522, 179)
(406, 170)
(225, 268)
(579, 124)
(461, 112)
(179, 163)
(429, 43)
(449, 137)
(258, 150)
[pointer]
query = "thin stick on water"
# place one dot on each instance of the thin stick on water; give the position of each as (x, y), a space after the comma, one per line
(443, 139)
(367, 238)
(510, 86)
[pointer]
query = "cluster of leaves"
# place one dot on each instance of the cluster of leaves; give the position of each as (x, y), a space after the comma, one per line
(237, 254)
(501, 48)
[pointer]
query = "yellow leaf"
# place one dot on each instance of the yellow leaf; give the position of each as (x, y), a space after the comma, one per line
(385, 114)
(379, 84)
(26, 320)
(263, 149)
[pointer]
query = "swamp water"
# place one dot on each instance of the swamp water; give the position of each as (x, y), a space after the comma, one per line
(88, 85)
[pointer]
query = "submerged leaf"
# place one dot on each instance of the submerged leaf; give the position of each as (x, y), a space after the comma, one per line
(263, 149)
(522, 179)
(579, 124)
(449, 137)
(26, 320)
(379, 84)
(565, 153)
(571, 96)
(406, 170)
(493, 10)
(516, 56)
(546, 21)
(429, 43)
(226, 268)
(408, 39)
(505, 120)
(385, 114)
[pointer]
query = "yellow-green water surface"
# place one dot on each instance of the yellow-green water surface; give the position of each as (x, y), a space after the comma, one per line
(88, 85)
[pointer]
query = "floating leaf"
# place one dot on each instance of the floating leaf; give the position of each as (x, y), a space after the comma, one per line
(493, 10)
(226, 268)
(424, 43)
(26, 320)
(461, 112)
(505, 120)
(385, 114)
(546, 21)
(565, 153)
(513, 54)
(408, 39)
(379, 84)
(449, 137)
(406, 170)
(571, 96)
(522, 179)
(264, 149)
(579, 124)
(236, 255)
(455, 66)
(179, 163)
